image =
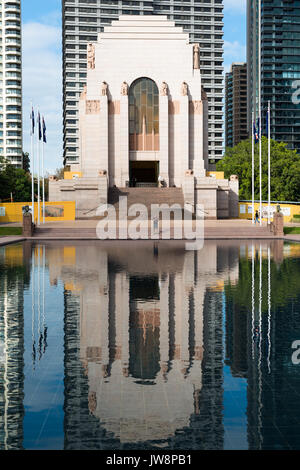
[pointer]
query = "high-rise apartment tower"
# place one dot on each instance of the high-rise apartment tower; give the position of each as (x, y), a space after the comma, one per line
(236, 104)
(11, 82)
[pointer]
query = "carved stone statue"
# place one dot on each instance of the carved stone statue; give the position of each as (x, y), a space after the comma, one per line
(164, 89)
(196, 56)
(184, 89)
(124, 89)
(90, 56)
(104, 89)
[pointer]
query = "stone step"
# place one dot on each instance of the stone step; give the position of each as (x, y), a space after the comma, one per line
(147, 196)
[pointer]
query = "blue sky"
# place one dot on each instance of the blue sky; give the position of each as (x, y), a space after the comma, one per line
(42, 67)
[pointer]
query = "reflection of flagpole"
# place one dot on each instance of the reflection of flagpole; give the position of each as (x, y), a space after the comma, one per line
(269, 309)
(252, 167)
(260, 347)
(259, 109)
(39, 294)
(6, 396)
(269, 162)
(253, 298)
(33, 309)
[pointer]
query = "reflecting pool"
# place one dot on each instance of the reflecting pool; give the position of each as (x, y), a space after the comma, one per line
(124, 345)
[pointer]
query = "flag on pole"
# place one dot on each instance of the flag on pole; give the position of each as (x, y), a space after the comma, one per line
(44, 131)
(40, 127)
(32, 122)
(258, 129)
(255, 133)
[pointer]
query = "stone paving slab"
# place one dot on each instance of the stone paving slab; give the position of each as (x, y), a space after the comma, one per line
(11, 239)
(292, 238)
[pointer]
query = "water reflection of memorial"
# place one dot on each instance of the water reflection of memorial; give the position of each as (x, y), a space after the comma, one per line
(149, 325)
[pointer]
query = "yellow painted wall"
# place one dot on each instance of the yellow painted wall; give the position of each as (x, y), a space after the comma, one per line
(69, 175)
(219, 175)
(14, 213)
(246, 207)
(14, 255)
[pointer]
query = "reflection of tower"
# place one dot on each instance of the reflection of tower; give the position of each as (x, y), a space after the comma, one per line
(273, 380)
(259, 336)
(13, 276)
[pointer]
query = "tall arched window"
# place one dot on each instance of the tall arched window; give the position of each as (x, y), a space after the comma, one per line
(144, 115)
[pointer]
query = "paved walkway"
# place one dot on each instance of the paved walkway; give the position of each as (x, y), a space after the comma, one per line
(214, 230)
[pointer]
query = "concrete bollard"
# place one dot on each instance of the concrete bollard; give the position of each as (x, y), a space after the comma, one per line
(28, 226)
(278, 224)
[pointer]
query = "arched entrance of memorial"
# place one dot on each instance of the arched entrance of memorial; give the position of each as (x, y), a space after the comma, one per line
(144, 132)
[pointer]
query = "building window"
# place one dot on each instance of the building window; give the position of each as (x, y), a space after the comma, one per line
(144, 115)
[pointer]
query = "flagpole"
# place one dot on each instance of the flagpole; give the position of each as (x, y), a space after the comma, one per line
(43, 176)
(44, 141)
(32, 161)
(259, 109)
(269, 162)
(252, 167)
(39, 171)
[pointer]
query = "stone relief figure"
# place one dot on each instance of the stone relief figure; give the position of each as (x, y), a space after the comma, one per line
(91, 56)
(164, 89)
(196, 56)
(124, 89)
(92, 107)
(104, 89)
(184, 89)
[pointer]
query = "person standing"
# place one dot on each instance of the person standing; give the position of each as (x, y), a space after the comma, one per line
(256, 217)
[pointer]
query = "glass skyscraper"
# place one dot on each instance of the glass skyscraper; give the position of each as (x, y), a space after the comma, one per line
(280, 67)
(83, 19)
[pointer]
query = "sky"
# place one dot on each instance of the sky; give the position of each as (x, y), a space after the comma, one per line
(42, 66)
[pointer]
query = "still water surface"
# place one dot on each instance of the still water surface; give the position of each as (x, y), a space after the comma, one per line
(142, 346)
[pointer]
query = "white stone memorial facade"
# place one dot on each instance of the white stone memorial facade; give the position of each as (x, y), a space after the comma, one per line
(142, 116)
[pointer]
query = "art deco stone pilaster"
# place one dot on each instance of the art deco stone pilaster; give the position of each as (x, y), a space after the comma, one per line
(184, 128)
(164, 323)
(103, 131)
(122, 175)
(196, 123)
(164, 135)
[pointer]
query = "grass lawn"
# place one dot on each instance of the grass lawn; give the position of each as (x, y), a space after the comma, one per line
(292, 230)
(4, 231)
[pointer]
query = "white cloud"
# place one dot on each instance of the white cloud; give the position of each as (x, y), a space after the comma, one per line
(235, 6)
(42, 84)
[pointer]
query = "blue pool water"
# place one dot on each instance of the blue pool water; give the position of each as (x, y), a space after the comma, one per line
(140, 346)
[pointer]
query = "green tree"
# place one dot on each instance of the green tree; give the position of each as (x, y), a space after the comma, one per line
(285, 170)
(26, 162)
(16, 182)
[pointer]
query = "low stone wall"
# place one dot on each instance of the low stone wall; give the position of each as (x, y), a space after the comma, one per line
(88, 193)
